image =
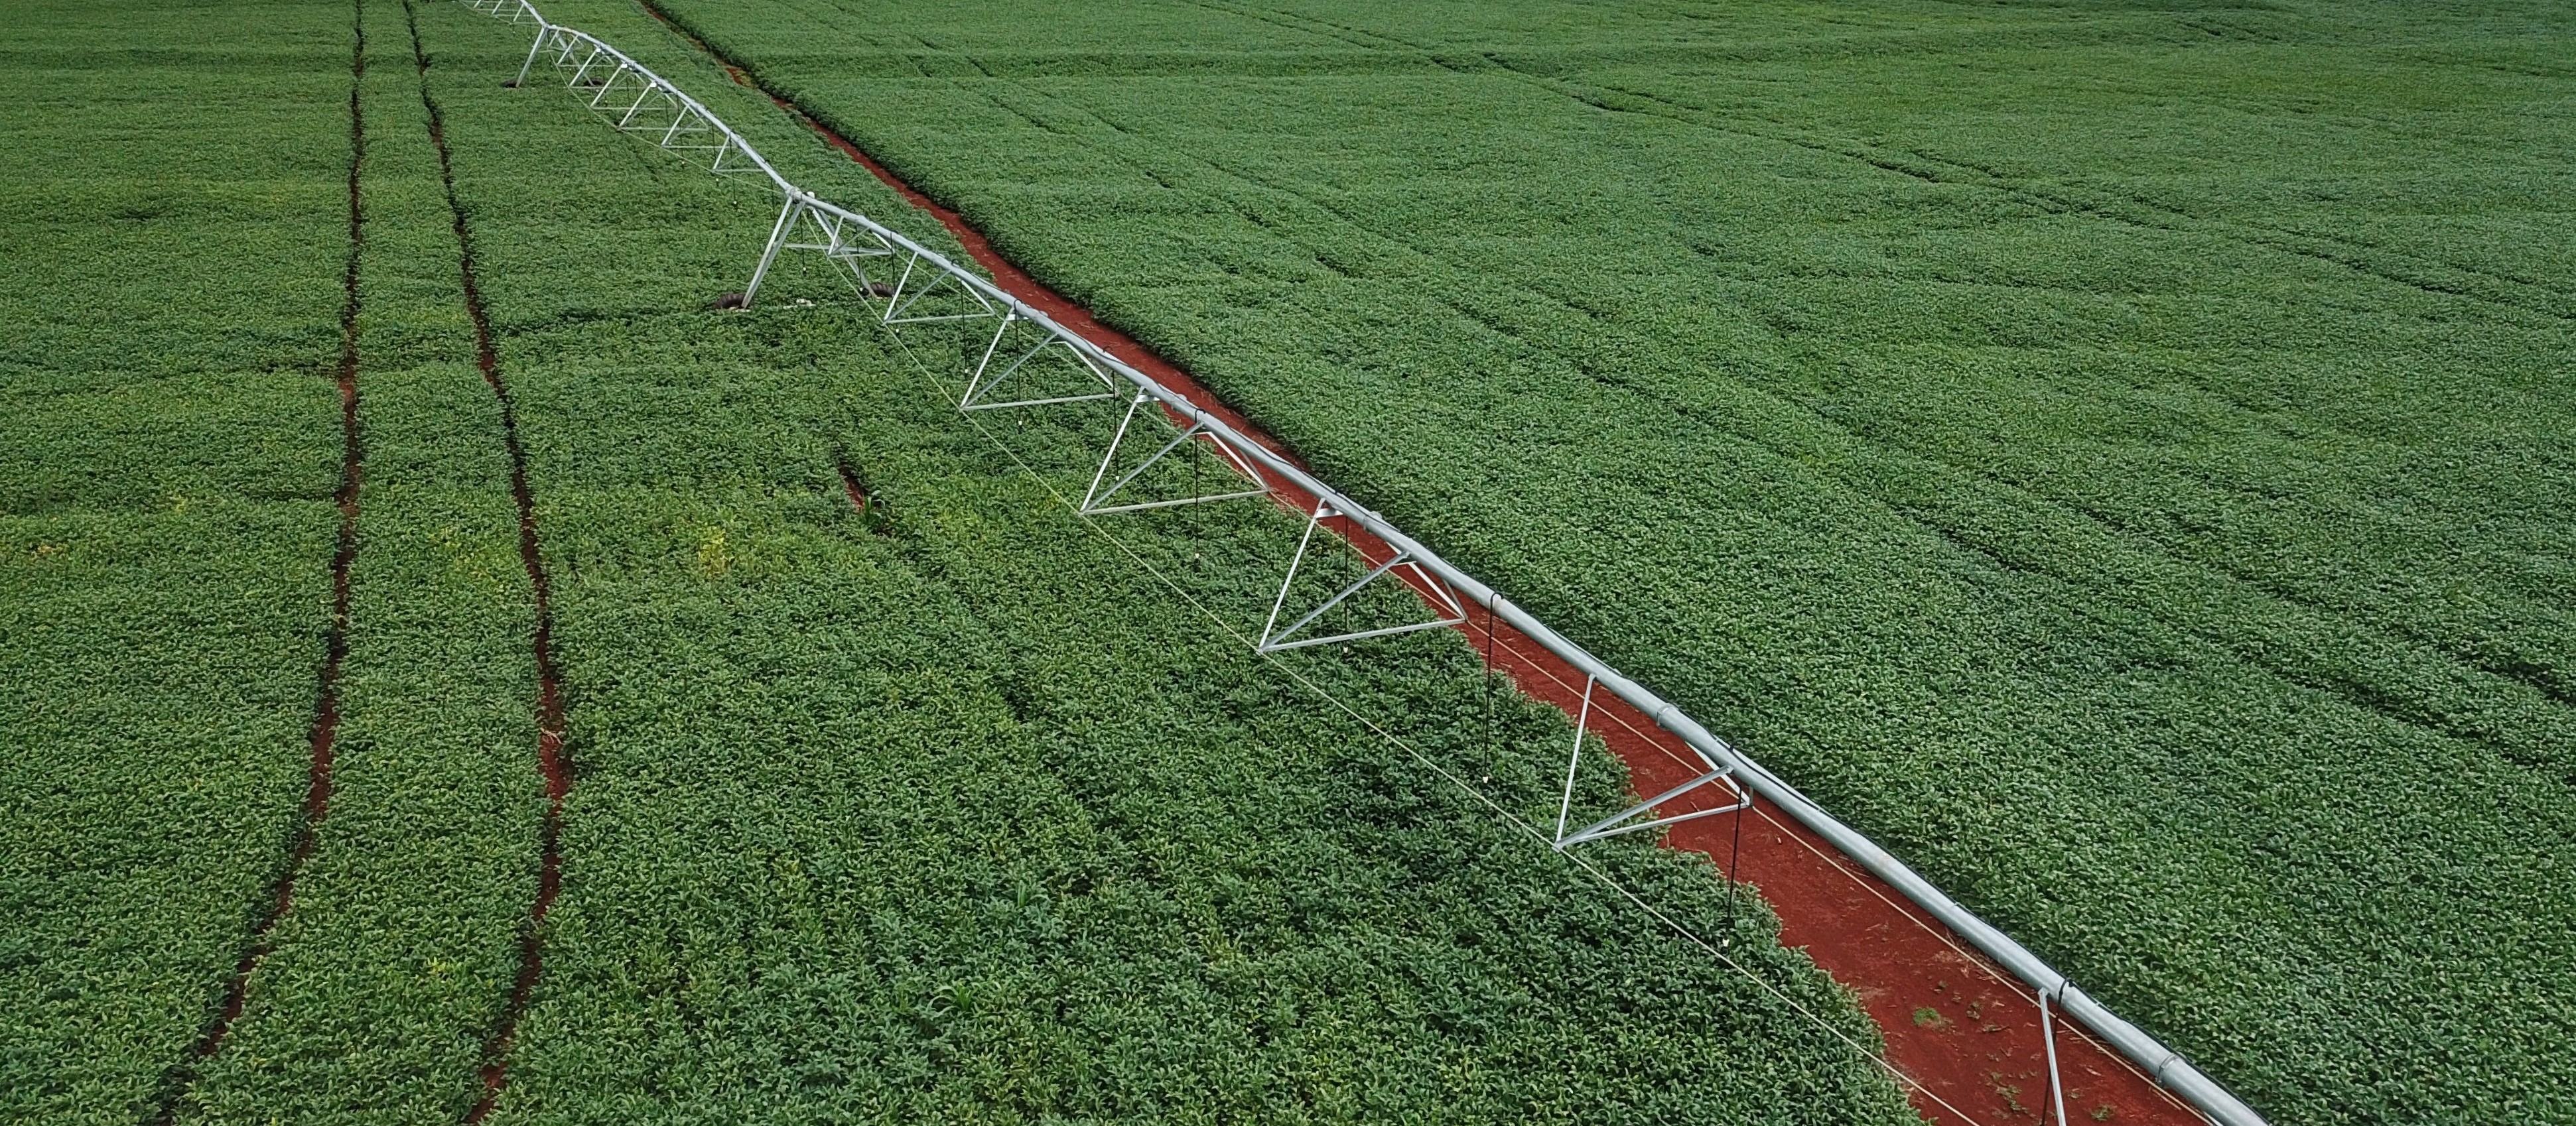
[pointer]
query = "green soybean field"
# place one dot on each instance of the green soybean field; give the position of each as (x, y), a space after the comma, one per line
(456, 674)
(456, 666)
(2114, 454)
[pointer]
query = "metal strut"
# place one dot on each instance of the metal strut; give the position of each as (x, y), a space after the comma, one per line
(1274, 639)
(838, 246)
(2048, 1029)
(982, 381)
(829, 233)
(544, 32)
(769, 253)
(1095, 499)
(1626, 820)
(905, 293)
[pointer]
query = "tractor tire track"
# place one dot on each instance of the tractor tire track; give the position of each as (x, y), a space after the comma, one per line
(553, 762)
(322, 736)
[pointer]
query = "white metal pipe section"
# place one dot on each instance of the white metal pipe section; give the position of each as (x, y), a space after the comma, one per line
(2163, 1064)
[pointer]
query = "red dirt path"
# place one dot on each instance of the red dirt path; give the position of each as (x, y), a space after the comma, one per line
(1966, 1034)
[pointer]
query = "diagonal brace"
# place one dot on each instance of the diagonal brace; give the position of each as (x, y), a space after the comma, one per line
(897, 304)
(978, 385)
(1093, 499)
(1274, 639)
(1621, 822)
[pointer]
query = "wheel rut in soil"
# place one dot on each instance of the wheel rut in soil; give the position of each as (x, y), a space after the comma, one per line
(553, 761)
(1966, 1035)
(321, 738)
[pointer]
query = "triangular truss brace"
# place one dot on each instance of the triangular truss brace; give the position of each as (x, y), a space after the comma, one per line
(636, 101)
(920, 296)
(1046, 377)
(904, 295)
(1276, 639)
(838, 239)
(1095, 500)
(1638, 817)
(518, 10)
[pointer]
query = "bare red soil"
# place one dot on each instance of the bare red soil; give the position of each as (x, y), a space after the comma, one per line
(1965, 1035)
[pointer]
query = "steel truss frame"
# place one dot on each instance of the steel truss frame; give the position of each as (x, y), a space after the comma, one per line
(1095, 500)
(917, 274)
(1443, 597)
(984, 378)
(519, 11)
(1636, 818)
(657, 109)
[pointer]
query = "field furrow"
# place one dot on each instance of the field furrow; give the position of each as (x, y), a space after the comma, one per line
(323, 739)
(552, 759)
(398, 960)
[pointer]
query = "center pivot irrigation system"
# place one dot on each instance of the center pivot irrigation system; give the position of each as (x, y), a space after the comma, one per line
(907, 283)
